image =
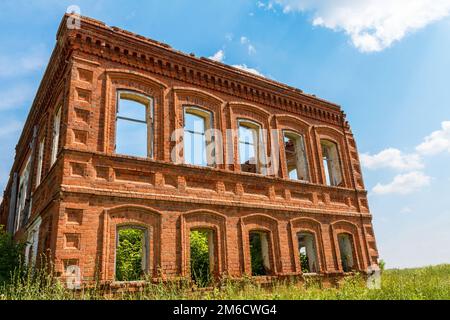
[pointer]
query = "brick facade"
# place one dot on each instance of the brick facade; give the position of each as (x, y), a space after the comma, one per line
(90, 190)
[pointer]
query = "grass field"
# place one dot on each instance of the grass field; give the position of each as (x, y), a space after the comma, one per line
(409, 284)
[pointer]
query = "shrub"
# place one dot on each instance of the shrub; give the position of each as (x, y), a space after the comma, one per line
(257, 259)
(11, 255)
(200, 269)
(129, 255)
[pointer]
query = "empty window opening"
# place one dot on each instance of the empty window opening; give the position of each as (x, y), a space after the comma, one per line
(296, 161)
(22, 193)
(331, 163)
(250, 147)
(308, 253)
(346, 249)
(197, 137)
(40, 160)
(131, 254)
(31, 249)
(259, 251)
(134, 130)
(56, 133)
(202, 257)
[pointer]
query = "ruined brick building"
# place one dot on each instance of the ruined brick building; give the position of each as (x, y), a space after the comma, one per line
(98, 153)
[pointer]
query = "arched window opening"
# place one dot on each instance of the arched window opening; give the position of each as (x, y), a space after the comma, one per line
(134, 130)
(202, 256)
(331, 163)
(296, 161)
(259, 252)
(347, 254)
(307, 253)
(197, 137)
(251, 154)
(22, 192)
(131, 253)
(56, 133)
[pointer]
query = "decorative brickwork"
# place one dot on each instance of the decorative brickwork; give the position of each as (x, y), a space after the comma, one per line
(91, 191)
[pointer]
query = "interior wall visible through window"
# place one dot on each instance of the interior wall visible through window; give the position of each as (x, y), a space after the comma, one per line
(22, 192)
(331, 163)
(56, 132)
(251, 154)
(296, 161)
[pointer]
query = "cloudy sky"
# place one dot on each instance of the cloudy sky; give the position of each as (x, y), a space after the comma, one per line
(385, 61)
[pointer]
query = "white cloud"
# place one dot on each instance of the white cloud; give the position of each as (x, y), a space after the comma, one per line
(404, 184)
(16, 97)
(219, 56)
(229, 37)
(266, 6)
(244, 40)
(248, 69)
(392, 158)
(19, 64)
(437, 142)
(250, 48)
(373, 25)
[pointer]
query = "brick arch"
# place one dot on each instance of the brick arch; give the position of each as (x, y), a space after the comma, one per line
(329, 130)
(188, 96)
(117, 79)
(313, 226)
(135, 76)
(130, 215)
(200, 93)
(242, 107)
(265, 223)
(293, 123)
(204, 219)
(344, 226)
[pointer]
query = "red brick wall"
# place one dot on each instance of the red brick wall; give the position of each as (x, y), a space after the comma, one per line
(91, 191)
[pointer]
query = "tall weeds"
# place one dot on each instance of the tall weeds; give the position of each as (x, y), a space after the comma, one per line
(410, 284)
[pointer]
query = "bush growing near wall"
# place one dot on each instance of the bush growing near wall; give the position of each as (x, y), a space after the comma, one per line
(257, 260)
(11, 255)
(200, 269)
(129, 257)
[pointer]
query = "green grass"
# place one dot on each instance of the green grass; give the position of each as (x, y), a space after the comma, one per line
(409, 284)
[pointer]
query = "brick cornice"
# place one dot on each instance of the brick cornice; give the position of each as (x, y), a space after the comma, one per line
(132, 50)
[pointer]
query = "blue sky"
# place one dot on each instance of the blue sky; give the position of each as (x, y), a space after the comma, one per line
(386, 64)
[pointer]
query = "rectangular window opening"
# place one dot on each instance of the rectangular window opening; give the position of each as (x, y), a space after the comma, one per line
(40, 162)
(308, 253)
(296, 161)
(347, 254)
(331, 163)
(22, 193)
(134, 129)
(250, 147)
(259, 252)
(202, 257)
(197, 137)
(131, 254)
(56, 133)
